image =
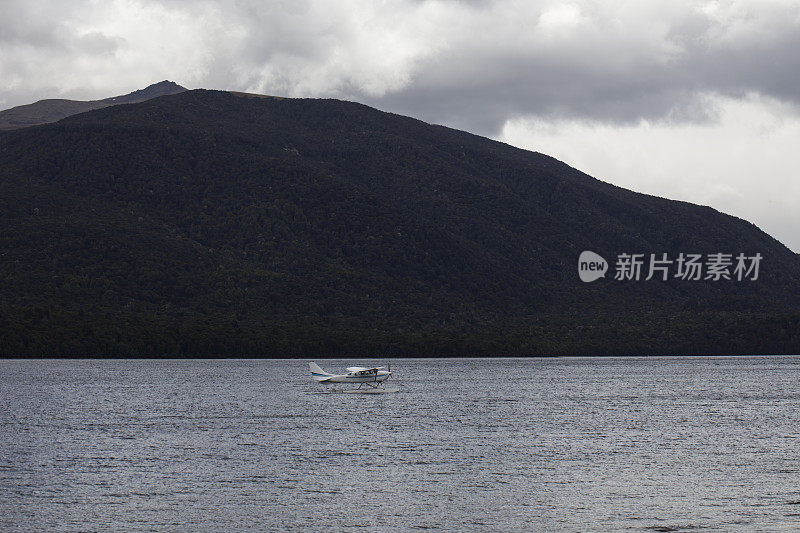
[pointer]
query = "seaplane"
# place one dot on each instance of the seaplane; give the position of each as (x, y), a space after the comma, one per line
(370, 379)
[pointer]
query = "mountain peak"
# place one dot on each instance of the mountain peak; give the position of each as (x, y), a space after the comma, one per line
(166, 83)
(162, 88)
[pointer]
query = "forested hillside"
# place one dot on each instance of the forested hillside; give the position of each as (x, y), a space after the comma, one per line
(208, 223)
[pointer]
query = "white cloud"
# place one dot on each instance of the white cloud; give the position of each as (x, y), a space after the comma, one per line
(89, 49)
(353, 48)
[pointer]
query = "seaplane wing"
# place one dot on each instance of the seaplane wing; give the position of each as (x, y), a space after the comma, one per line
(363, 369)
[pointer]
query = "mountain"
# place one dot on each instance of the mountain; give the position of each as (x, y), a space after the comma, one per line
(210, 223)
(52, 110)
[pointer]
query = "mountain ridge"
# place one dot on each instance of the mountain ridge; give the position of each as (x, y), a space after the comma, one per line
(54, 109)
(208, 223)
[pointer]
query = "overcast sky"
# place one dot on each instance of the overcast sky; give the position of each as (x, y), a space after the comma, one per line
(697, 101)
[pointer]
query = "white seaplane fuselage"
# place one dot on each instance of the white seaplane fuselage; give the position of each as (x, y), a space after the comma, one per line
(355, 374)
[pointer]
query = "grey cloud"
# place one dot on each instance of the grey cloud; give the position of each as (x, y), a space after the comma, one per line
(22, 23)
(612, 82)
(96, 43)
(480, 73)
(547, 89)
(469, 64)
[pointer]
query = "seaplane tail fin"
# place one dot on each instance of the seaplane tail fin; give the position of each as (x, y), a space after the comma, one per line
(317, 373)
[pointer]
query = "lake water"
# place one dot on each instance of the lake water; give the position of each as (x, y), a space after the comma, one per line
(641, 444)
